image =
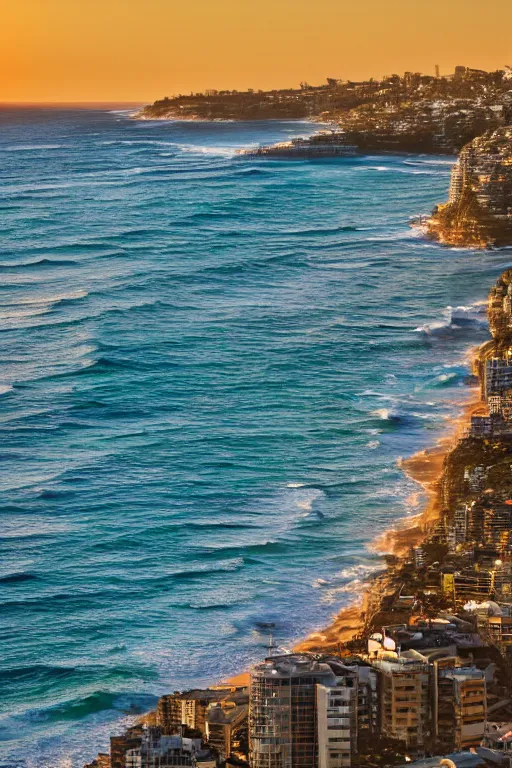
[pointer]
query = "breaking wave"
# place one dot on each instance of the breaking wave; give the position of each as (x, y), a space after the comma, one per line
(457, 319)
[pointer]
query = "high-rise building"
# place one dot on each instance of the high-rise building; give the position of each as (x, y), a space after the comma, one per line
(459, 705)
(497, 375)
(223, 722)
(404, 700)
(177, 712)
(368, 710)
(302, 713)
(337, 718)
(168, 714)
(461, 524)
(497, 525)
(158, 751)
(120, 745)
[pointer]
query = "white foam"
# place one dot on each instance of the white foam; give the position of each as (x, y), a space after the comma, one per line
(380, 395)
(11, 315)
(131, 111)
(320, 583)
(32, 147)
(45, 300)
(307, 498)
(455, 317)
(358, 571)
(384, 413)
(205, 150)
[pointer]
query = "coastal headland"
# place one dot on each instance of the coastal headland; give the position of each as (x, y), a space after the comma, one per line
(431, 630)
(409, 113)
(478, 211)
(468, 112)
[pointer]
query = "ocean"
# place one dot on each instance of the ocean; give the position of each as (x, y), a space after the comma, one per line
(211, 366)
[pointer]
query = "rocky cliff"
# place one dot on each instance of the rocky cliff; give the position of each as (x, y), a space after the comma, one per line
(479, 210)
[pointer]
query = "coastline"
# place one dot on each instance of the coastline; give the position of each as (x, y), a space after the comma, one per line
(177, 118)
(426, 467)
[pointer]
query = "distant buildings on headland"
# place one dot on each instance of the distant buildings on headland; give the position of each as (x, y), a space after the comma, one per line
(412, 112)
(469, 110)
(321, 145)
(428, 680)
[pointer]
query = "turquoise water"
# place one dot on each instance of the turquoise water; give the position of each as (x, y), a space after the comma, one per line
(210, 366)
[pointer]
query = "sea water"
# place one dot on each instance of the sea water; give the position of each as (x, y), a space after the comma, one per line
(211, 366)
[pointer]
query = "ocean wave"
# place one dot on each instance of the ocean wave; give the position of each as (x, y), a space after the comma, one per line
(388, 414)
(212, 525)
(101, 366)
(79, 708)
(70, 298)
(9, 317)
(56, 494)
(25, 308)
(320, 231)
(32, 147)
(430, 161)
(379, 395)
(125, 112)
(457, 319)
(208, 150)
(38, 263)
(360, 570)
(246, 550)
(227, 566)
(444, 380)
(349, 581)
(16, 578)
(206, 605)
(241, 171)
(39, 672)
(376, 168)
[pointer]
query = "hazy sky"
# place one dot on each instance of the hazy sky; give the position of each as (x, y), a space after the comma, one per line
(93, 50)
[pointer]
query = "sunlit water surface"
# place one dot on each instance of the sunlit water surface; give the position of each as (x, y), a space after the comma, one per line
(210, 366)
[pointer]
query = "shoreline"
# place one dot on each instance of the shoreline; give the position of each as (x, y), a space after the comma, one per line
(197, 119)
(425, 467)
(401, 595)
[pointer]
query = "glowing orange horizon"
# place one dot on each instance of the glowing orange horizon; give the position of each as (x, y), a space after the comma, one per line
(135, 51)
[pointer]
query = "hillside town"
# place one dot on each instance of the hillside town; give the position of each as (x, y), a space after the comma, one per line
(411, 112)
(427, 681)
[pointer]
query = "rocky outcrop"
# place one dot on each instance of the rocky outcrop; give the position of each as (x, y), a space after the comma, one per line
(479, 209)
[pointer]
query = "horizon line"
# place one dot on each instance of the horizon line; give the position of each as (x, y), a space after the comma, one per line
(85, 103)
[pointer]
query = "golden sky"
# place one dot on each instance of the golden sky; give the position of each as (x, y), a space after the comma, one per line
(139, 50)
